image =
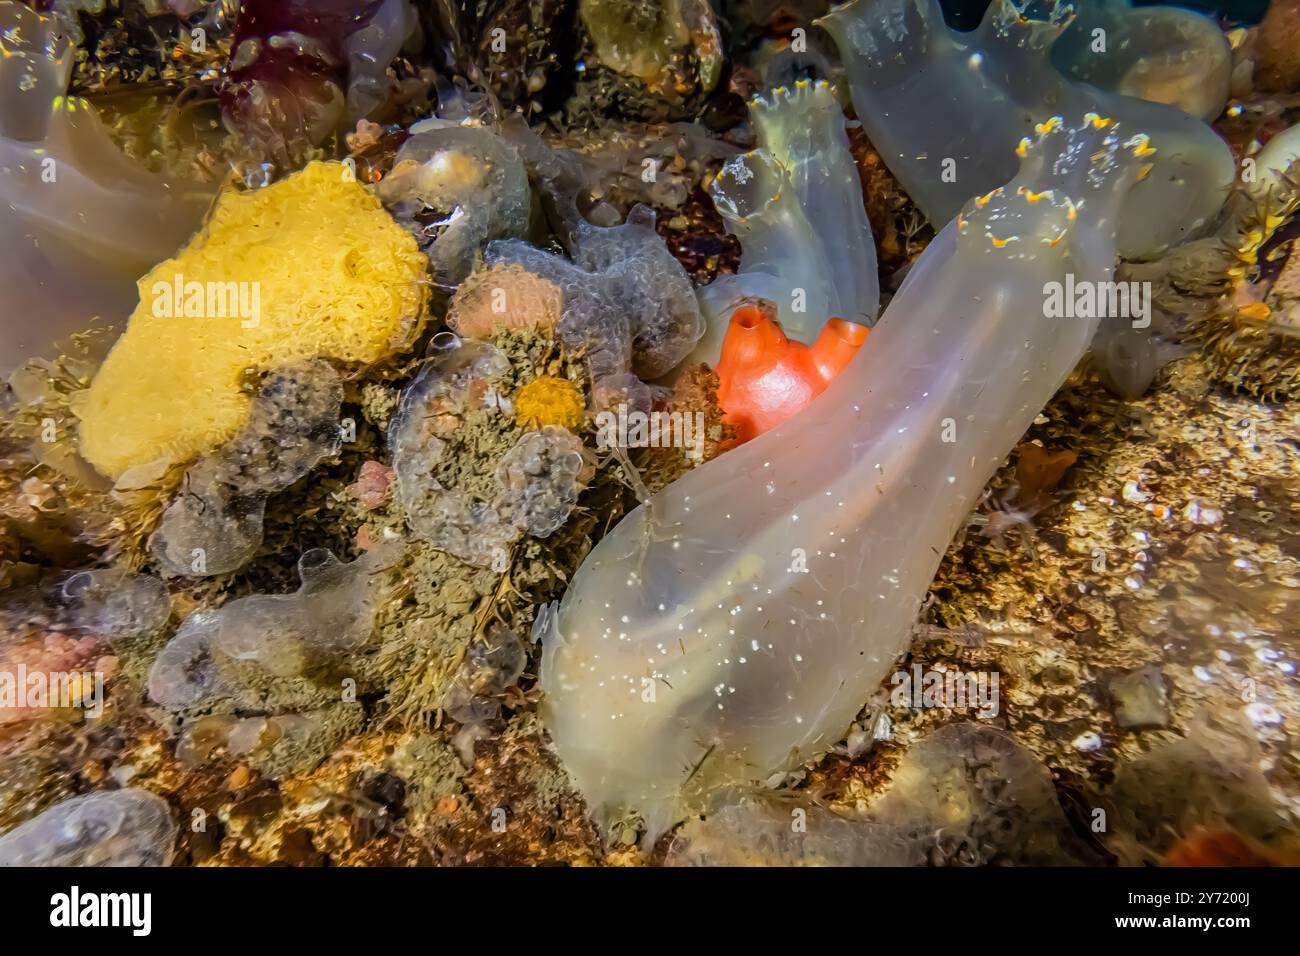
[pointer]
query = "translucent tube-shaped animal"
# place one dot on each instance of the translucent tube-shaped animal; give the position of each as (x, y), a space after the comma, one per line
(732, 628)
(939, 104)
(796, 205)
(1162, 54)
(79, 221)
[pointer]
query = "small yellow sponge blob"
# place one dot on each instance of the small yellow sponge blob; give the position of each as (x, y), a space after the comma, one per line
(549, 401)
(311, 267)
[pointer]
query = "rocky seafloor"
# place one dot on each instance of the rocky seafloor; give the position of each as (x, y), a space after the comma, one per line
(315, 568)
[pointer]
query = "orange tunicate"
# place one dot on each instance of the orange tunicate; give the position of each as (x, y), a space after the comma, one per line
(765, 377)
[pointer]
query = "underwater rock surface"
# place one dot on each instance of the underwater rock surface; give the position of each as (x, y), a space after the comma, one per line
(1128, 568)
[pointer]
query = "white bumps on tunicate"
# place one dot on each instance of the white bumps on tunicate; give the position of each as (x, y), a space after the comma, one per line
(129, 827)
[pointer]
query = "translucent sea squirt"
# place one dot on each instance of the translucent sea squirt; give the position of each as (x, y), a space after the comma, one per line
(938, 105)
(732, 628)
(796, 205)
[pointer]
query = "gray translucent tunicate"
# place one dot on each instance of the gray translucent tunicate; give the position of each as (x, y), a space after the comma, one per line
(733, 626)
(785, 830)
(1165, 54)
(939, 105)
(331, 614)
(538, 479)
(1208, 780)
(796, 205)
(80, 221)
(248, 738)
(469, 176)
(371, 50)
(627, 301)
(1276, 161)
(965, 795)
(110, 603)
(115, 603)
(491, 665)
(129, 827)
(184, 672)
(214, 525)
(1129, 360)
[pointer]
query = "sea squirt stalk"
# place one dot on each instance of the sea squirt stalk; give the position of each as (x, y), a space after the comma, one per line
(939, 104)
(732, 628)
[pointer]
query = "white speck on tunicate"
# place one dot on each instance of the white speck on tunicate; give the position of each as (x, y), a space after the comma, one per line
(1264, 715)
(1086, 742)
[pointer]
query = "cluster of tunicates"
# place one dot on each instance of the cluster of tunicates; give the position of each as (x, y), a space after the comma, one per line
(1164, 54)
(966, 795)
(110, 603)
(685, 598)
(277, 635)
(627, 302)
(129, 827)
(538, 480)
(214, 525)
(939, 105)
(455, 188)
(491, 665)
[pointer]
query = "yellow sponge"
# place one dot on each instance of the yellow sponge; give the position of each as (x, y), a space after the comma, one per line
(309, 267)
